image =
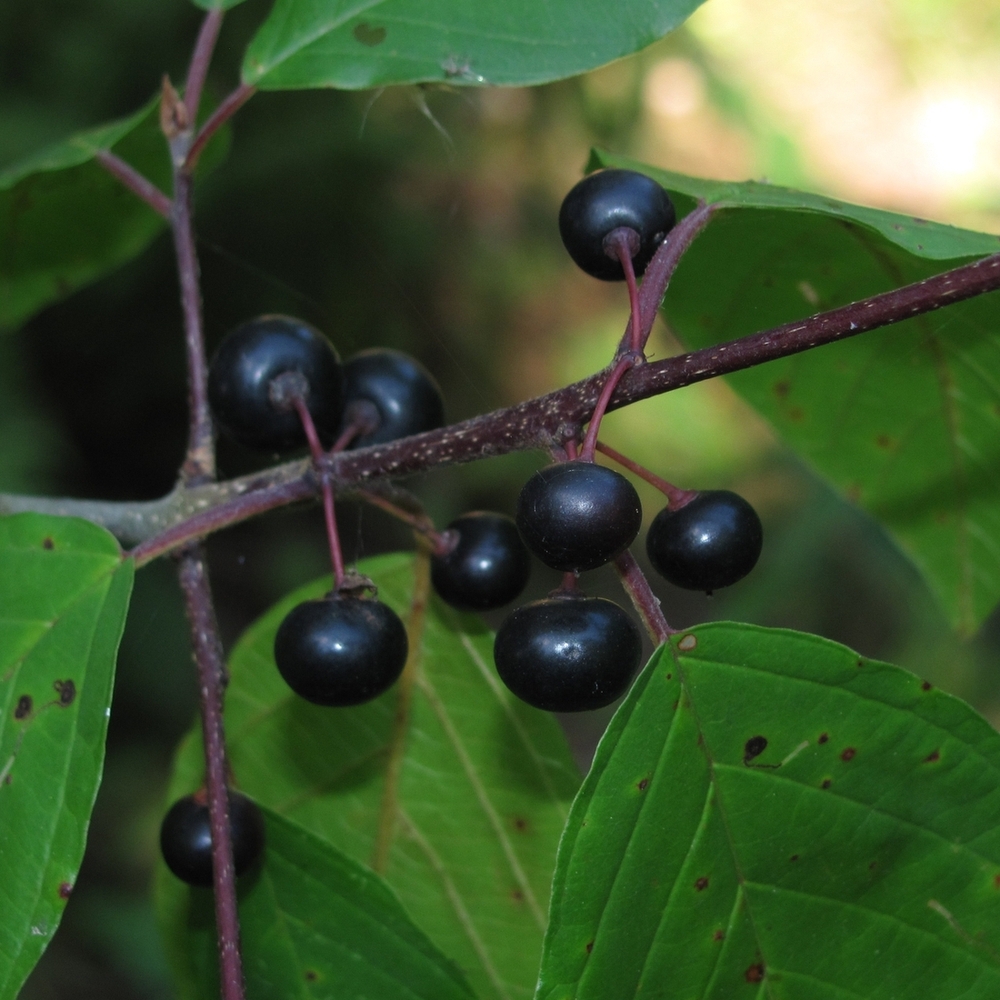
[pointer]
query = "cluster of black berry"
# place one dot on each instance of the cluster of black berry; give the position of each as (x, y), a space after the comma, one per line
(570, 652)
(277, 383)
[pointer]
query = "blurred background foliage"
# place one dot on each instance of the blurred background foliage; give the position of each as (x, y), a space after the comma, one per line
(424, 219)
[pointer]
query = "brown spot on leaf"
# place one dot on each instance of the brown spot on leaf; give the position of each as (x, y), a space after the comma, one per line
(796, 413)
(860, 664)
(369, 34)
(48, 544)
(23, 708)
(670, 677)
(755, 974)
(781, 388)
(66, 690)
(884, 441)
(643, 784)
(823, 737)
(701, 884)
(826, 783)
(932, 756)
(520, 824)
(590, 947)
(847, 754)
(794, 857)
(926, 686)
(718, 936)
(311, 975)
(853, 492)
(754, 747)
(996, 881)
(517, 895)
(873, 866)
(65, 890)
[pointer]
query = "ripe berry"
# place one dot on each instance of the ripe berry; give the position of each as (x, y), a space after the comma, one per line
(710, 542)
(186, 837)
(404, 395)
(577, 515)
(609, 200)
(340, 650)
(488, 566)
(250, 358)
(568, 653)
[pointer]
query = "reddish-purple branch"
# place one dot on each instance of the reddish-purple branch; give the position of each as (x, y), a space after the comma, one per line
(200, 59)
(229, 106)
(134, 181)
(643, 599)
(199, 464)
(208, 657)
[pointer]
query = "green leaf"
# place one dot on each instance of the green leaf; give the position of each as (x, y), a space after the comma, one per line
(904, 420)
(313, 923)
(353, 44)
(771, 815)
(458, 796)
(64, 591)
(65, 221)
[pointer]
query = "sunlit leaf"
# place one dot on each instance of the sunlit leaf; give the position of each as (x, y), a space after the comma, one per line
(904, 420)
(771, 815)
(457, 797)
(64, 591)
(353, 44)
(313, 923)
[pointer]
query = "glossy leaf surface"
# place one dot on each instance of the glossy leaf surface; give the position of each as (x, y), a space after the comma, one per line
(447, 785)
(64, 591)
(313, 923)
(354, 44)
(65, 221)
(904, 420)
(771, 815)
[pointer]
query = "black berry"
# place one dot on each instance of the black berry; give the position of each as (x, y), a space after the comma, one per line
(609, 200)
(399, 394)
(568, 653)
(340, 650)
(250, 358)
(710, 542)
(577, 515)
(488, 566)
(186, 837)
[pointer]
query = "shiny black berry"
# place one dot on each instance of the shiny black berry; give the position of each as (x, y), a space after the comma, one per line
(568, 653)
(244, 367)
(340, 650)
(488, 565)
(186, 837)
(577, 515)
(710, 542)
(398, 393)
(609, 200)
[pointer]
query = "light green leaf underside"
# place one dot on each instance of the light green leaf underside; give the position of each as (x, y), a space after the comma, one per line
(905, 421)
(856, 856)
(64, 592)
(313, 924)
(65, 221)
(354, 44)
(483, 789)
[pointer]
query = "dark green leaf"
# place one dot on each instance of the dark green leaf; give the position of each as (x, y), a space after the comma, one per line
(459, 800)
(64, 591)
(904, 420)
(353, 44)
(313, 923)
(769, 808)
(216, 4)
(65, 221)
